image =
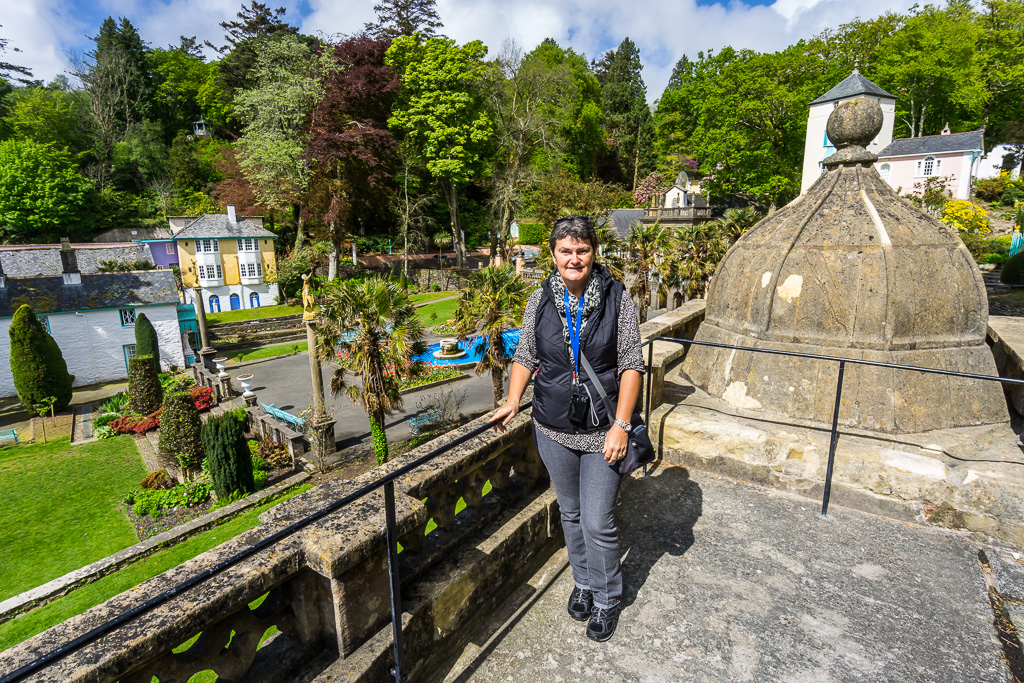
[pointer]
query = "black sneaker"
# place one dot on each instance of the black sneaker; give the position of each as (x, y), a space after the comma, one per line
(603, 621)
(580, 603)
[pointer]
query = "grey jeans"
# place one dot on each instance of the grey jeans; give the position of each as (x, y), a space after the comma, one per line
(586, 488)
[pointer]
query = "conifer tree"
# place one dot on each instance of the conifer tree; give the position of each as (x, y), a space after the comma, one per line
(405, 18)
(227, 456)
(38, 367)
(146, 343)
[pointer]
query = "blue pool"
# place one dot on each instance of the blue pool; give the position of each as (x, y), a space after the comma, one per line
(511, 338)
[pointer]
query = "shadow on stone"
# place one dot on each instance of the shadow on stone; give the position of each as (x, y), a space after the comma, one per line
(649, 529)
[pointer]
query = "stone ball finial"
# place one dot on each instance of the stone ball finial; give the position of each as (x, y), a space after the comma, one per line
(851, 127)
(856, 122)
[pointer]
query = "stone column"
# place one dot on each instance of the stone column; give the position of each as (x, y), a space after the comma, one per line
(207, 352)
(321, 426)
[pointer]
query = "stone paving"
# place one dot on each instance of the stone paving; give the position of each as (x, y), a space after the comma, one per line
(731, 582)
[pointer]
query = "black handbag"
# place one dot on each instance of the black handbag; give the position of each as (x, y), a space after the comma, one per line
(640, 450)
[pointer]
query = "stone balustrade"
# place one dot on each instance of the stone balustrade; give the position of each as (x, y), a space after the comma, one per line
(682, 323)
(321, 593)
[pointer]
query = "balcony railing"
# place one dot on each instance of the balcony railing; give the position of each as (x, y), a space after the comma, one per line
(678, 213)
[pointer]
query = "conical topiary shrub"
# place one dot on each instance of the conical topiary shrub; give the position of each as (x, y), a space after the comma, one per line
(144, 391)
(179, 431)
(37, 363)
(227, 456)
(145, 339)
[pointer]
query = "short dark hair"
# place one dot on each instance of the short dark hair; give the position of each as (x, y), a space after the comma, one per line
(577, 227)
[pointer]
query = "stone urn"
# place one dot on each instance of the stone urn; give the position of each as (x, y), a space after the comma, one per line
(220, 364)
(246, 382)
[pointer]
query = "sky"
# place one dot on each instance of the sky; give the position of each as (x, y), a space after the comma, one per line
(47, 31)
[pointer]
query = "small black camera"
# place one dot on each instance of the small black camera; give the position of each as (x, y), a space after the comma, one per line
(579, 406)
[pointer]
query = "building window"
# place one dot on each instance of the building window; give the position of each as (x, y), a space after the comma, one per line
(929, 167)
(254, 300)
(884, 170)
(211, 272)
(252, 269)
(170, 247)
(127, 317)
(207, 246)
(248, 245)
(129, 353)
(214, 303)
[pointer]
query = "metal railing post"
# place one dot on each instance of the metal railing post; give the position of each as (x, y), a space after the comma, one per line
(834, 441)
(647, 393)
(394, 580)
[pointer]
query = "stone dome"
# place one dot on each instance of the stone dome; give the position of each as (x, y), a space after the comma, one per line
(851, 270)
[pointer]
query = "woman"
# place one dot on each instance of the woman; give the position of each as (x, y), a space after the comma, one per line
(580, 311)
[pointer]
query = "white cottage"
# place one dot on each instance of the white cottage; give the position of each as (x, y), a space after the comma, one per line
(91, 316)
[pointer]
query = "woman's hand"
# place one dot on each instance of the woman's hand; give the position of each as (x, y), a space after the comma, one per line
(615, 444)
(505, 414)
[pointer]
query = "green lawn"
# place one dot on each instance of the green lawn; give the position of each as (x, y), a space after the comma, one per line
(38, 620)
(58, 508)
(252, 314)
(444, 310)
(267, 351)
(429, 296)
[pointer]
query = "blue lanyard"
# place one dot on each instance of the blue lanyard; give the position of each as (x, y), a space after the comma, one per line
(574, 332)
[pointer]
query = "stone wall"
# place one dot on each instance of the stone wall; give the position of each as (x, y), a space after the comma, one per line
(325, 587)
(680, 323)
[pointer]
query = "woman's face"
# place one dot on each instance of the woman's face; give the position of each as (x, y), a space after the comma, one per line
(574, 259)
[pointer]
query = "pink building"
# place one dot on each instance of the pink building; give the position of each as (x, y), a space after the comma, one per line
(907, 163)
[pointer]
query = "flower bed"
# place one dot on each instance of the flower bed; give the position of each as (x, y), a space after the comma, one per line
(158, 502)
(115, 419)
(432, 373)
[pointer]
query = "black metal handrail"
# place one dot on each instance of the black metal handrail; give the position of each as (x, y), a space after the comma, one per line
(386, 482)
(834, 440)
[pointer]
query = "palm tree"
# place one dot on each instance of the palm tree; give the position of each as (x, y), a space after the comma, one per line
(375, 323)
(492, 303)
(645, 244)
(695, 256)
(735, 222)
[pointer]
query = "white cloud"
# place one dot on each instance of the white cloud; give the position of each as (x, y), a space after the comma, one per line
(663, 29)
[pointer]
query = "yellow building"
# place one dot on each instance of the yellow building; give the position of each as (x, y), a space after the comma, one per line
(231, 259)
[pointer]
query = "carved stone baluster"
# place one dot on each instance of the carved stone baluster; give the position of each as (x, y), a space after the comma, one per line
(473, 491)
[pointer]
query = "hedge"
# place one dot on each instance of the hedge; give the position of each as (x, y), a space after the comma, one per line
(144, 390)
(533, 233)
(179, 430)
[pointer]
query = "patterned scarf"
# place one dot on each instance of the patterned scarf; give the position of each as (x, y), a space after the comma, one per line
(591, 302)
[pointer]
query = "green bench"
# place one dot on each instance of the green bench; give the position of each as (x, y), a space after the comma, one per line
(417, 422)
(297, 422)
(9, 434)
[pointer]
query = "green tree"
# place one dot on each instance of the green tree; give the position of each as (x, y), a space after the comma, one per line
(693, 257)
(42, 195)
(492, 302)
(629, 126)
(51, 116)
(405, 18)
(374, 322)
(7, 70)
(179, 431)
(581, 130)
(526, 99)
(227, 456)
(243, 41)
(37, 364)
(187, 88)
(935, 68)
(144, 391)
(734, 223)
(645, 244)
(288, 84)
(146, 343)
(440, 110)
